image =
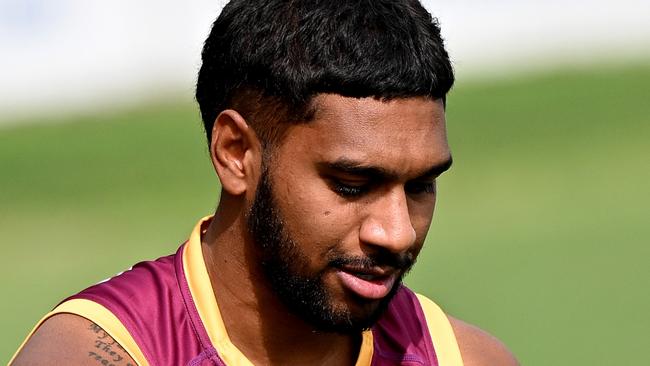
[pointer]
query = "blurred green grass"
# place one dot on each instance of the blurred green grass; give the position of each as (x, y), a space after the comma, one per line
(541, 232)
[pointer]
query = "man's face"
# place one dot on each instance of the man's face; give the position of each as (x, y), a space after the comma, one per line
(344, 204)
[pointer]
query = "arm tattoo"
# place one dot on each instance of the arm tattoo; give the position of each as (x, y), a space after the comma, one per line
(106, 351)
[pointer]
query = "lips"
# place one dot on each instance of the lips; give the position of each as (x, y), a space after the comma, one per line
(371, 284)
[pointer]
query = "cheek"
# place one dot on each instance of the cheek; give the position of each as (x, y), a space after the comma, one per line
(421, 217)
(313, 216)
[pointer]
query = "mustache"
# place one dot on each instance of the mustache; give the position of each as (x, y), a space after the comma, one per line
(402, 262)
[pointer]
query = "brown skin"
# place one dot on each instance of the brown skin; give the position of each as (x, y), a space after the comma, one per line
(67, 339)
(389, 215)
(393, 213)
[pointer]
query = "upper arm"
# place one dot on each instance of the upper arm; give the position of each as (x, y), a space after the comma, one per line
(67, 339)
(479, 348)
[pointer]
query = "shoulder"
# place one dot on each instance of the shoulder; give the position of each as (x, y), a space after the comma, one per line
(479, 348)
(67, 339)
(120, 308)
(455, 340)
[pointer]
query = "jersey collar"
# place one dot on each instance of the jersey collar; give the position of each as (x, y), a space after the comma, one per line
(205, 300)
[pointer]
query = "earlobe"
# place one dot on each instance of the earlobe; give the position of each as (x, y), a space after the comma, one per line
(234, 151)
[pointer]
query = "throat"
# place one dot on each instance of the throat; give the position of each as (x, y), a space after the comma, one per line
(318, 349)
(262, 329)
(256, 323)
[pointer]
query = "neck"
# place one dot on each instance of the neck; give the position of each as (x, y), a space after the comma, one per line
(258, 324)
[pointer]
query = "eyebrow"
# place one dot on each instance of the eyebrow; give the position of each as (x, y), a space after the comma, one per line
(358, 168)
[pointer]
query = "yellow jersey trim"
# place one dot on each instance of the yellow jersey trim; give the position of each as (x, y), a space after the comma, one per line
(366, 350)
(441, 332)
(100, 316)
(205, 300)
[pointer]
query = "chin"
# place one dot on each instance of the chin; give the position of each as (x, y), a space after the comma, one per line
(354, 314)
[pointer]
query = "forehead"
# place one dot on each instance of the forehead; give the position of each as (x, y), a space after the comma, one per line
(402, 134)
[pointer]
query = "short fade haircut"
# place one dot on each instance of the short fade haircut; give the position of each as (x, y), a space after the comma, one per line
(268, 59)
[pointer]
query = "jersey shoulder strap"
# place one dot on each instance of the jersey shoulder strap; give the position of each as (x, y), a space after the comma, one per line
(99, 315)
(441, 332)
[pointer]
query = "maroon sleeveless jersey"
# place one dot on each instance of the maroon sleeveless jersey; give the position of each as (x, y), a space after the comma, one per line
(164, 312)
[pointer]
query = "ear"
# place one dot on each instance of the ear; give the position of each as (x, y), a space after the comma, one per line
(236, 153)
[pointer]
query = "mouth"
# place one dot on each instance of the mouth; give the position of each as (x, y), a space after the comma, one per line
(369, 283)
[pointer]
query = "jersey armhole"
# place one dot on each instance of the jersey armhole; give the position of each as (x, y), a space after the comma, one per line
(441, 332)
(100, 316)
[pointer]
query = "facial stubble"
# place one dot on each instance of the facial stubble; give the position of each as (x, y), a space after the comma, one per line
(286, 270)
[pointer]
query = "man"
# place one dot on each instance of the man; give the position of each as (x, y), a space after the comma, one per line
(326, 127)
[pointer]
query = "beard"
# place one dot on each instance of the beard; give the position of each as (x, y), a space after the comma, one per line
(304, 293)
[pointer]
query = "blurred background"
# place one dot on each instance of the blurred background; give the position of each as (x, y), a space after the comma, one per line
(541, 235)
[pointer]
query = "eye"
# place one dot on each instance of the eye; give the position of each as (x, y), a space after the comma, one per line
(348, 190)
(418, 187)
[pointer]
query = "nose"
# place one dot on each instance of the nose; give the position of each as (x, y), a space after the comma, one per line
(388, 224)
